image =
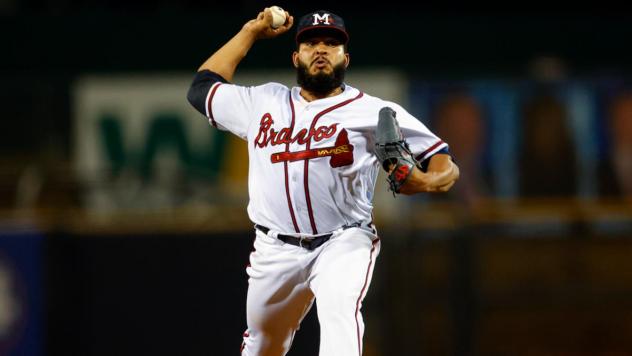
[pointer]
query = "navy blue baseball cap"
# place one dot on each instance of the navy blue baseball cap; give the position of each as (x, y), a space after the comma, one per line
(321, 22)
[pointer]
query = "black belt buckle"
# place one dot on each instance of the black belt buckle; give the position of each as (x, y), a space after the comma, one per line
(312, 244)
(300, 242)
(309, 244)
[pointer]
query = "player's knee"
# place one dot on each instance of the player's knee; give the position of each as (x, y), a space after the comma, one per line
(267, 327)
(335, 307)
(265, 343)
(272, 331)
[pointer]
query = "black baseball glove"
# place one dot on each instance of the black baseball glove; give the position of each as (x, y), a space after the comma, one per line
(392, 150)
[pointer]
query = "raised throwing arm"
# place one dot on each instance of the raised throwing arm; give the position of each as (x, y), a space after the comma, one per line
(225, 60)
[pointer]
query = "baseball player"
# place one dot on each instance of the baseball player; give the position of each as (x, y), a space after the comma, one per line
(315, 152)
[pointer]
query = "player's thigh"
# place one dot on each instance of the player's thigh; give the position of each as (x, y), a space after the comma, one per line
(278, 293)
(343, 269)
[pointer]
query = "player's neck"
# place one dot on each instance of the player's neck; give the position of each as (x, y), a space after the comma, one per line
(311, 96)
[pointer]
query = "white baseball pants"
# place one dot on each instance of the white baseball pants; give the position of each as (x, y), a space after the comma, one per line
(285, 279)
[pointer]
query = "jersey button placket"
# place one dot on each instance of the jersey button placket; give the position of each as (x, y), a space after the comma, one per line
(295, 185)
(296, 194)
(297, 178)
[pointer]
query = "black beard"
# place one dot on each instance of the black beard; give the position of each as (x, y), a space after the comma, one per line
(320, 83)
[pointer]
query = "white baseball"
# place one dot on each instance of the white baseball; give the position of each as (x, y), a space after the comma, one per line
(278, 16)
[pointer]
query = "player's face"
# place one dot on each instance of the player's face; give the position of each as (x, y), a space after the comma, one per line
(321, 63)
(321, 54)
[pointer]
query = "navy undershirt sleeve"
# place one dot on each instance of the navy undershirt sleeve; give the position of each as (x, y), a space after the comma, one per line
(425, 162)
(199, 88)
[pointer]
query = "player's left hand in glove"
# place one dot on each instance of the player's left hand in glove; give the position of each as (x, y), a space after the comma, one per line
(392, 150)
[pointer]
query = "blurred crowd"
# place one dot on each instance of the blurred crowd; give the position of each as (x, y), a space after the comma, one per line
(550, 160)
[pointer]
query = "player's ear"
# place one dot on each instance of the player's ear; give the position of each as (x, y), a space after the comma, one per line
(347, 60)
(295, 59)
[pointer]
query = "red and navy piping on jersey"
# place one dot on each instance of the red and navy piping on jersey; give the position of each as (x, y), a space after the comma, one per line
(200, 91)
(285, 168)
(362, 293)
(310, 210)
(424, 157)
(429, 151)
(209, 108)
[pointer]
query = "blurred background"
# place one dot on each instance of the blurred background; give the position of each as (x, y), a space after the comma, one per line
(123, 228)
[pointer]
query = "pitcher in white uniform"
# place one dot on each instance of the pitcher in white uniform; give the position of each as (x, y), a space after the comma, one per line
(312, 173)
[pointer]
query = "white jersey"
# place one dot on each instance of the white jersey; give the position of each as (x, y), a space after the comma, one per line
(312, 168)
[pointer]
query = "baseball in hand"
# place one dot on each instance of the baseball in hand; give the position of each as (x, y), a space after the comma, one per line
(278, 16)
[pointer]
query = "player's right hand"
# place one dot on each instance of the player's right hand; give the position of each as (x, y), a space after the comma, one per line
(261, 27)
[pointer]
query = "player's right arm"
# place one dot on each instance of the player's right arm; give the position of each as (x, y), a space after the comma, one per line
(224, 62)
(229, 108)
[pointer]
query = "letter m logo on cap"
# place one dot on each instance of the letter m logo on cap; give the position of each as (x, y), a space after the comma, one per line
(321, 19)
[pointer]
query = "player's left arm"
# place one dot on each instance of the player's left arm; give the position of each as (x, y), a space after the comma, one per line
(398, 135)
(440, 176)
